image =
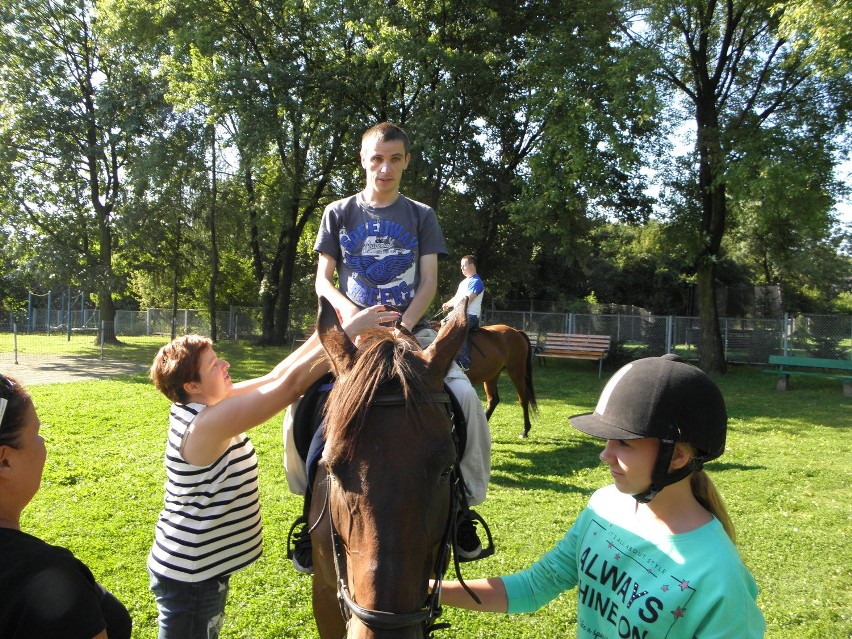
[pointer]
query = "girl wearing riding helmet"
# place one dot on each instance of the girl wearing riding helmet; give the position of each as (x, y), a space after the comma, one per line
(653, 554)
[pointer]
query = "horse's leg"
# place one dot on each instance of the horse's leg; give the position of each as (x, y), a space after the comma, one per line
(326, 610)
(492, 395)
(517, 370)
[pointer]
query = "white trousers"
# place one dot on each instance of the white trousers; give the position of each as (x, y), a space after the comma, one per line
(475, 463)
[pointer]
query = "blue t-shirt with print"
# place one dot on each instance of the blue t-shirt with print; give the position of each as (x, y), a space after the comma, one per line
(378, 250)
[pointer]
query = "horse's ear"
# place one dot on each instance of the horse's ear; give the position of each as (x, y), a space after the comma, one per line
(440, 353)
(339, 348)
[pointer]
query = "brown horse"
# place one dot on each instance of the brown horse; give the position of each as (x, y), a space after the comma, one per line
(386, 491)
(493, 349)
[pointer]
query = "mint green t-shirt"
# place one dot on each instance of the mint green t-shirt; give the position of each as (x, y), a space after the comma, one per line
(687, 586)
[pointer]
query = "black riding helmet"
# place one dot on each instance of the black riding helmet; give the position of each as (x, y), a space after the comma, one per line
(666, 398)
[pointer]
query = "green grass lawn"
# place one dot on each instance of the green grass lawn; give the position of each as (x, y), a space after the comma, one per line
(785, 476)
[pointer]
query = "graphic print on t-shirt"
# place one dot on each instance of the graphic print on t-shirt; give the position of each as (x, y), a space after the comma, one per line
(381, 257)
(634, 593)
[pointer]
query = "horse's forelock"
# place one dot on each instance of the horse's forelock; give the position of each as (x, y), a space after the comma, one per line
(382, 360)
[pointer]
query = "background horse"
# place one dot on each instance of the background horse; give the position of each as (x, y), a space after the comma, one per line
(495, 348)
(385, 494)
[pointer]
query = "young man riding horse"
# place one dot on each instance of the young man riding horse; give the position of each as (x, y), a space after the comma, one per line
(384, 248)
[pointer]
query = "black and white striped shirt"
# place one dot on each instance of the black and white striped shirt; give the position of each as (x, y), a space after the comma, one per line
(210, 524)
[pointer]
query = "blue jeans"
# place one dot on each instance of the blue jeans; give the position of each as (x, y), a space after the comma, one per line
(314, 455)
(464, 352)
(189, 610)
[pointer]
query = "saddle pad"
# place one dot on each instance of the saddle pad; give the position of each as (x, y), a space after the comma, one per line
(308, 416)
(309, 413)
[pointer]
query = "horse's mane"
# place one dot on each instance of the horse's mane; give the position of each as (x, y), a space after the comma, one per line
(382, 361)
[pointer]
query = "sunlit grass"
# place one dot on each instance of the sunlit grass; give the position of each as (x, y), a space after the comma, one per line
(785, 476)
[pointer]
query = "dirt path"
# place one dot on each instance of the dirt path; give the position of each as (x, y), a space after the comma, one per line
(64, 368)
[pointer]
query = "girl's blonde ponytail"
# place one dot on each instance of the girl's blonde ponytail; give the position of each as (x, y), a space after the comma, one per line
(707, 495)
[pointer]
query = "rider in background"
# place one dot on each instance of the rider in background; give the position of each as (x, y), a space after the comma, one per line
(471, 287)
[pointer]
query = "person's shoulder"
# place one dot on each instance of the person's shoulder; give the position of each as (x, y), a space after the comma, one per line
(186, 412)
(36, 553)
(611, 504)
(342, 204)
(609, 495)
(404, 200)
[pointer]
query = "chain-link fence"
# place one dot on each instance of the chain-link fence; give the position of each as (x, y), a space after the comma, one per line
(634, 333)
(744, 340)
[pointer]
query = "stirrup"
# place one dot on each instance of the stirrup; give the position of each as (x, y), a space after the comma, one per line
(488, 549)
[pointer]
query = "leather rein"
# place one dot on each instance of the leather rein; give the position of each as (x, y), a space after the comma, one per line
(431, 610)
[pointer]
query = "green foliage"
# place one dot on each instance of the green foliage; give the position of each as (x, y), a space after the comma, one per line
(531, 124)
(787, 497)
(739, 85)
(843, 303)
(74, 110)
(820, 29)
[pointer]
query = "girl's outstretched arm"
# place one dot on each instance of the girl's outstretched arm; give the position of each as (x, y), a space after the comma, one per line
(211, 431)
(491, 593)
(363, 321)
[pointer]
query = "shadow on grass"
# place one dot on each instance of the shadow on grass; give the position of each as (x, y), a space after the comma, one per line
(717, 466)
(536, 469)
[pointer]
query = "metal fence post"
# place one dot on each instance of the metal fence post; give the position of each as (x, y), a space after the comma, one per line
(68, 316)
(785, 329)
(669, 336)
(103, 330)
(15, 340)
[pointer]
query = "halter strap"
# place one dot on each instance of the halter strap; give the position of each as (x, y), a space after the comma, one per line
(394, 400)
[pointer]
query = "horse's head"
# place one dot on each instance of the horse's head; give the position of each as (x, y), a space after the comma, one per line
(389, 461)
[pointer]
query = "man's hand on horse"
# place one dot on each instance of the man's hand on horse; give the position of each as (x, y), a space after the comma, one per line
(370, 318)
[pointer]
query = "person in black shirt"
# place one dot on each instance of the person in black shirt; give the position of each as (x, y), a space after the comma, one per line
(45, 592)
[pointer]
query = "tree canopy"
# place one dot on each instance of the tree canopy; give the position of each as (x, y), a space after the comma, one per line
(182, 153)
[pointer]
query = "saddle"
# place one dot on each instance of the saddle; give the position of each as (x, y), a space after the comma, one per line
(309, 415)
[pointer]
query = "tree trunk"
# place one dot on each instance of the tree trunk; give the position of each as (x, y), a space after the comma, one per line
(269, 293)
(214, 245)
(711, 182)
(105, 301)
(176, 275)
(711, 355)
(282, 312)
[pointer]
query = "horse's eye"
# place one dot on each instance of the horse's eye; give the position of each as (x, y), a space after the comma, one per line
(446, 472)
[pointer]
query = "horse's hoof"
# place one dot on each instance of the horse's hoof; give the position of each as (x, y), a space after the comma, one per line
(523, 436)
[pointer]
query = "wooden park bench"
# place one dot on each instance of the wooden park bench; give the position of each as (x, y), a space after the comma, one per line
(575, 346)
(812, 366)
(534, 342)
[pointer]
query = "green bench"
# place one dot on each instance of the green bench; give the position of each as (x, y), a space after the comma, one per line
(812, 366)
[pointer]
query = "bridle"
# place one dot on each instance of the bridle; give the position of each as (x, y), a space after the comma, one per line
(431, 610)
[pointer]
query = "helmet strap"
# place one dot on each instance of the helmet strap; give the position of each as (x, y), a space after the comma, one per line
(660, 476)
